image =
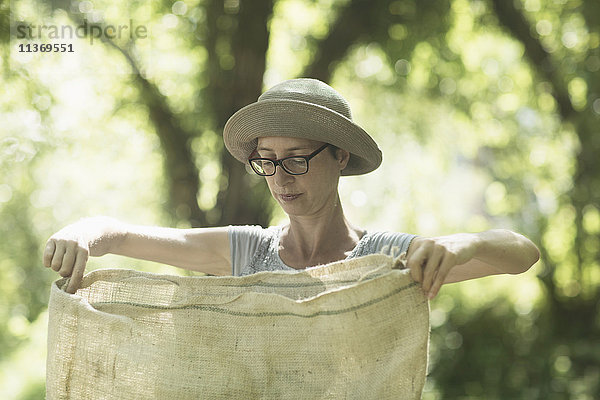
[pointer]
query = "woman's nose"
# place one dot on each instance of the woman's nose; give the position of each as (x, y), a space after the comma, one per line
(281, 177)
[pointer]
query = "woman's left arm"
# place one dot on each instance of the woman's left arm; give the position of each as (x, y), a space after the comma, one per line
(434, 261)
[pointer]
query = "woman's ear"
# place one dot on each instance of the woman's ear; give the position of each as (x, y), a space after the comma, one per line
(343, 157)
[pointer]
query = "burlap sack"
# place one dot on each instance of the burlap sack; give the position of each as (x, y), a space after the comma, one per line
(356, 329)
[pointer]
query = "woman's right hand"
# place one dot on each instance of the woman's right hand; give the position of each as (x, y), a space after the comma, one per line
(68, 250)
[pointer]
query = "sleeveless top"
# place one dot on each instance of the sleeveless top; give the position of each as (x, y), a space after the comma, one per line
(254, 249)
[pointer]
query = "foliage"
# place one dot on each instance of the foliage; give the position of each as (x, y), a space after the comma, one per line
(487, 113)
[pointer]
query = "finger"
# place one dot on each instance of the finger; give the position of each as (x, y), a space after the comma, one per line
(49, 252)
(57, 258)
(68, 261)
(431, 268)
(415, 264)
(447, 264)
(78, 271)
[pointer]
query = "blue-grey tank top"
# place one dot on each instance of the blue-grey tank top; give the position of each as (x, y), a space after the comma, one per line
(255, 249)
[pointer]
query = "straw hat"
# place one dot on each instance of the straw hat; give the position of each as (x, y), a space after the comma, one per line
(302, 108)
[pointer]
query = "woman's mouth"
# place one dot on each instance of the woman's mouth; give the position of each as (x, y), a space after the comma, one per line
(289, 197)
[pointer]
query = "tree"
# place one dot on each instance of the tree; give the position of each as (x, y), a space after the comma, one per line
(551, 350)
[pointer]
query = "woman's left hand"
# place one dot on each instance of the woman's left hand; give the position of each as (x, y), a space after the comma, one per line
(430, 259)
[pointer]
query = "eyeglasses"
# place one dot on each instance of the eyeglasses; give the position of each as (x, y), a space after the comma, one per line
(293, 165)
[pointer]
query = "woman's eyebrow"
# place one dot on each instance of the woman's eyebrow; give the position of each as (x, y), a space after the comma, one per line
(290, 149)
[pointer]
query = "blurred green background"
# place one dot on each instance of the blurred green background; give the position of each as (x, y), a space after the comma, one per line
(487, 111)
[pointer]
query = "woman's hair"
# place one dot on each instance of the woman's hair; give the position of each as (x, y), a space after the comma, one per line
(333, 149)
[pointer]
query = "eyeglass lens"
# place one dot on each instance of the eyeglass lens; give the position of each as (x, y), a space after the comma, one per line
(292, 165)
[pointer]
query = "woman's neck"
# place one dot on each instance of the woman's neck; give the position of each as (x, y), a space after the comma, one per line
(318, 239)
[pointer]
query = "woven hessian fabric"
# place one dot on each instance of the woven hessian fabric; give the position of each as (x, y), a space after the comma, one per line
(355, 329)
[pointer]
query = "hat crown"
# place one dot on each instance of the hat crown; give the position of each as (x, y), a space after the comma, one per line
(309, 91)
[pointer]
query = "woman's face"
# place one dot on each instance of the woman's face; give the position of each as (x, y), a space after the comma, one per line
(308, 194)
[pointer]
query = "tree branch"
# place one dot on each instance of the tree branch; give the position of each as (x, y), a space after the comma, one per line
(180, 168)
(586, 186)
(356, 20)
(514, 21)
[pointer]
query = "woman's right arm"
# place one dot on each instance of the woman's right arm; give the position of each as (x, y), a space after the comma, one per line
(198, 249)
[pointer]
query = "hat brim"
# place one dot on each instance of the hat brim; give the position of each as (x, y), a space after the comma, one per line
(298, 119)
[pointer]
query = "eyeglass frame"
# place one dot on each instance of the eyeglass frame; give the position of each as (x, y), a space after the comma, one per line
(279, 162)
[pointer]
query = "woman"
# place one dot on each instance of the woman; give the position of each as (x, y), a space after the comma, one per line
(301, 137)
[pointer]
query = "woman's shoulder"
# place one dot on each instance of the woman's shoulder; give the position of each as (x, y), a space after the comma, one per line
(386, 235)
(252, 228)
(252, 232)
(387, 241)
(246, 241)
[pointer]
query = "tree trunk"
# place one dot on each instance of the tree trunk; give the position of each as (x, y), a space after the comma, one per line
(241, 200)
